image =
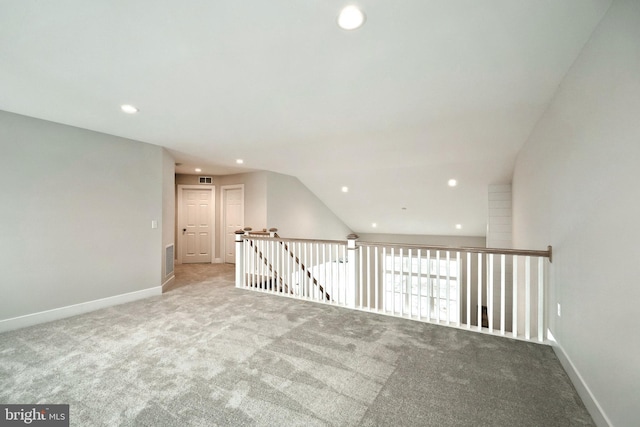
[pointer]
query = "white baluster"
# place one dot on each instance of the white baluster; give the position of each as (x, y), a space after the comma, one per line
(468, 290)
(251, 256)
(393, 281)
(281, 271)
(271, 260)
(409, 290)
(304, 261)
(336, 275)
(502, 293)
(479, 291)
(439, 294)
(429, 286)
(490, 293)
(361, 278)
(309, 272)
(384, 279)
(514, 327)
(448, 309)
(369, 277)
(459, 286)
(377, 278)
(402, 283)
(317, 274)
(324, 277)
(420, 284)
(256, 261)
(541, 334)
(527, 297)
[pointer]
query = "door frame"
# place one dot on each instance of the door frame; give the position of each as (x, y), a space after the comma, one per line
(180, 218)
(223, 216)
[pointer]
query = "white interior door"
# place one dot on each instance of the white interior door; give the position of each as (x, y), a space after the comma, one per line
(196, 225)
(233, 219)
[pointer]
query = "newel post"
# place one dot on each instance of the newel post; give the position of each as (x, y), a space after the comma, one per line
(240, 258)
(352, 270)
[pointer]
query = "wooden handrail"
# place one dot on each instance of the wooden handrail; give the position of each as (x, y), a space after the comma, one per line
(497, 251)
(280, 239)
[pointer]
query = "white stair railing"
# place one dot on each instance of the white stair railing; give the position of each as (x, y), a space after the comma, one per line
(495, 291)
(306, 269)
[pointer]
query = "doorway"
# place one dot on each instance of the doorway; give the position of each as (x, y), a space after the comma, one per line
(196, 236)
(232, 219)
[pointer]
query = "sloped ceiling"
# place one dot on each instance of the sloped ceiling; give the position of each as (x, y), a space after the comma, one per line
(425, 91)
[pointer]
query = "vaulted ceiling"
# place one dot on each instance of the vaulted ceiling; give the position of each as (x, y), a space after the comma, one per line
(425, 91)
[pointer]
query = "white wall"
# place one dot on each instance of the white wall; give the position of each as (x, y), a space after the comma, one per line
(575, 187)
(168, 210)
(255, 197)
(75, 218)
(419, 239)
(298, 213)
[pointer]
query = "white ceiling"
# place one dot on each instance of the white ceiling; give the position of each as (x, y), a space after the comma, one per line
(425, 91)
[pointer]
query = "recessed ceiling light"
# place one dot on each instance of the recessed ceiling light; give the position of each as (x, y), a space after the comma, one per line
(345, 189)
(129, 109)
(374, 225)
(459, 226)
(350, 18)
(198, 170)
(452, 182)
(239, 161)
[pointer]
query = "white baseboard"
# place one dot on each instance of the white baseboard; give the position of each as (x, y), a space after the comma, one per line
(168, 282)
(218, 261)
(75, 309)
(589, 400)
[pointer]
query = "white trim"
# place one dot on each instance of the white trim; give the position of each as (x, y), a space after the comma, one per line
(165, 260)
(168, 283)
(223, 216)
(589, 400)
(550, 337)
(212, 188)
(218, 261)
(75, 309)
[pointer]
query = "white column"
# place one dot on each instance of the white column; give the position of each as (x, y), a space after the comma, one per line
(352, 270)
(240, 259)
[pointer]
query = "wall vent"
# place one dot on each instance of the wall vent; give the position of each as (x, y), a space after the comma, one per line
(206, 180)
(168, 260)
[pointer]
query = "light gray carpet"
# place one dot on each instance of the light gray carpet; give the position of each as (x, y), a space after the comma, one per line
(207, 354)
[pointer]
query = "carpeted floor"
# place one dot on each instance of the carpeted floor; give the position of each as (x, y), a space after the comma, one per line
(207, 354)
